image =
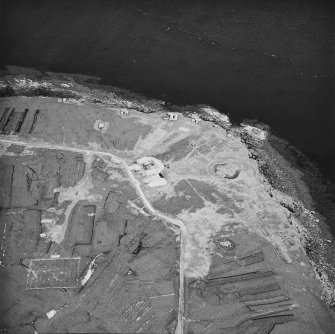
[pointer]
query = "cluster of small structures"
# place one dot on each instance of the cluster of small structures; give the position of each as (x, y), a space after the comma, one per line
(239, 287)
(64, 99)
(71, 100)
(171, 116)
(109, 234)
(150, 169)
(206, 113)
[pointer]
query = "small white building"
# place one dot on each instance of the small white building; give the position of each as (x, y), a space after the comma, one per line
(154, 181)
(50, 314)
(150, 169)
(47, 221)
(124, 112)
(171, 116)
(195, 118)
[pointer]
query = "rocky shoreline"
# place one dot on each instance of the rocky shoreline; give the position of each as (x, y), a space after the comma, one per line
(286, 184)
(284, 169)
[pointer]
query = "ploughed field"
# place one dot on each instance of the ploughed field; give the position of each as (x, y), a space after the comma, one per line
(81, 252)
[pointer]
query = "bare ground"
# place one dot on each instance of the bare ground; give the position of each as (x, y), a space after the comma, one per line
(243, 265)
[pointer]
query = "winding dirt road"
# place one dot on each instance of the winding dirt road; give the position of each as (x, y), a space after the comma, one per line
(177, 222)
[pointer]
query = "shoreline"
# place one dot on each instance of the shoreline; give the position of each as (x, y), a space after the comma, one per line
(293, 193)
(284, 177)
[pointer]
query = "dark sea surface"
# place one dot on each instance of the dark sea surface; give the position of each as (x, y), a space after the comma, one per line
(267, 60)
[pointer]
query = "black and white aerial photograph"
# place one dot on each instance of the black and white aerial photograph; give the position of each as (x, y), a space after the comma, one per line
(167, 166)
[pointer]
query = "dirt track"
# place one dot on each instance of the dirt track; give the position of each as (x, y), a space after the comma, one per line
(237, 255)
(136, 184)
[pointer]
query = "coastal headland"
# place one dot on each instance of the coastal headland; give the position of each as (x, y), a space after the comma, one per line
(130, 215)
